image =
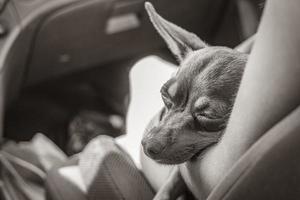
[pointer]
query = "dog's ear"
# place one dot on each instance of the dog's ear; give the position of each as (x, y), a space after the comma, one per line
(179, 41)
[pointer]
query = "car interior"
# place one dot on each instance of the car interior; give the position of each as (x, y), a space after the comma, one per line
(52, 73)
(61, 58)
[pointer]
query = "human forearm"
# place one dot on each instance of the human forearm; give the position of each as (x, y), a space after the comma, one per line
(268, 92)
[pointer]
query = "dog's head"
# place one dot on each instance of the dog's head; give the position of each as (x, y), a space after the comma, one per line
(198, 99)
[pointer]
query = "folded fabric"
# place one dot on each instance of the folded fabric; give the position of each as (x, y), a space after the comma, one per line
(23, 167)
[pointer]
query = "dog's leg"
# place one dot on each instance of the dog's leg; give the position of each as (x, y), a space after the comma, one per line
(173, 187)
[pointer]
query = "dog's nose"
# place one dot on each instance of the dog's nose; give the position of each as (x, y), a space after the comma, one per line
(154, 148)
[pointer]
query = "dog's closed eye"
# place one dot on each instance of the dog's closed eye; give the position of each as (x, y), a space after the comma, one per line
(168, 92)
(205, 123)
(168, 103)
(206, 117)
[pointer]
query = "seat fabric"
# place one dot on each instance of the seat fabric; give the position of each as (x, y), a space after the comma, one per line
(270, 169)
(114, 175)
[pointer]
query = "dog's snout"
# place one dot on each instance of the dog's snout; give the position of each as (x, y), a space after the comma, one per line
(153, 147)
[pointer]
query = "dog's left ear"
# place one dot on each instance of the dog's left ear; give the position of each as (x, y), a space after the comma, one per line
(179, 41)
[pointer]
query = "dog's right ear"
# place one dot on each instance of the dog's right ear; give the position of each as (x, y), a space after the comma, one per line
(179, 41)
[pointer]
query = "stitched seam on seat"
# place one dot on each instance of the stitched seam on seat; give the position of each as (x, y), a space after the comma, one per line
(113, 181)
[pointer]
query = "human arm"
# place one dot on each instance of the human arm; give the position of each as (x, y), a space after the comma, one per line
(268, 92)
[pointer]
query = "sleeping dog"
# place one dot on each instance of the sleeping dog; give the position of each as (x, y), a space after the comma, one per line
(198, 98)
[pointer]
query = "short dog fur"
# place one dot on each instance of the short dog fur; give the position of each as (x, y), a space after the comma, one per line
(198, 99)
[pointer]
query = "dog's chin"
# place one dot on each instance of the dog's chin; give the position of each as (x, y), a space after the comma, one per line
(180, 157)
(172, 161)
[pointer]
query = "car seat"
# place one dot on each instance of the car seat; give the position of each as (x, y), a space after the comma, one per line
(107, 172)
(270, 169)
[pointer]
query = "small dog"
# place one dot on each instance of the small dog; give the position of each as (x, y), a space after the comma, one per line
(198, 99)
